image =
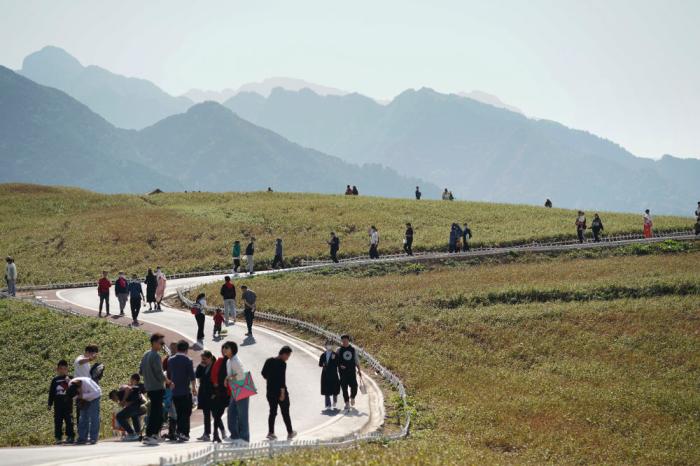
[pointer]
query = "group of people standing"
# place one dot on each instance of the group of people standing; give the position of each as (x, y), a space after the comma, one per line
(459, 238)
(351, 191)
(131, 291)
(597, 225)
(228, 314)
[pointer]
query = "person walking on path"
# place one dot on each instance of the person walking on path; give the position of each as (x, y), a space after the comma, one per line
(275, 373)
(373, 243)
(236, 254)
(466, 236)
(160, 287)
(279, 258)
(129, 398)
(238, 423)
(355, 192)
(334, 243)
(455, 235)
(218, 318)
(596, 227)
(151, 285)
(103, 286)
(61, 403)
(181, 375)
(199, 309)
(121, 291)
(580, 226)
(228, 293)
(154, 381)
(408, 240)
(418, 193)
(221, 396)
(205, 391)
(330, 384)
(249, 306)
(648, 224)
(89, 394)
(11, 276)
(348, 369)
(135, 298)
(249, 252)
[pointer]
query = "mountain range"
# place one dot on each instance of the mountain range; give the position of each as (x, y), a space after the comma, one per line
(48, 137)
(264, 88)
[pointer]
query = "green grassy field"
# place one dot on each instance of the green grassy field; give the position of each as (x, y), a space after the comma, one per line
(64, 234)
(524, 377)
(34, 340)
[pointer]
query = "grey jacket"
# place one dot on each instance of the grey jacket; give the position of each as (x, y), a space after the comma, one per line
(152, 371)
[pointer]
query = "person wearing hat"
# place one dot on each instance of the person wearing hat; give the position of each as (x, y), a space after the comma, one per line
(11, 276)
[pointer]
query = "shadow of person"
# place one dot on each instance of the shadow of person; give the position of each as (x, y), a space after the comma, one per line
(249, 340)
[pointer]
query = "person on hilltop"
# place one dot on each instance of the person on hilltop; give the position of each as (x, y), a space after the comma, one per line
(183, 381)
(373, 243)
(348, 191)
(236, 254)
(238, 423)
(334, 244)
(160, 287)
(249, 306)
(348, 369)
(279, 257)
(275, 373)
(103, 286)
(198, 310)
(580, 226)
(121, 291)
(61, 403)
(408, 240)
(648, 224)
(249, 252)
(355, 192)
(135, 298)
(596, 227)
(450, 196)
(205, 392)
(548, 203)
(466, 236)
(151, 285)
(228, 293)
(11, 276)
(330, 384)
(445, 195)
(418, 193)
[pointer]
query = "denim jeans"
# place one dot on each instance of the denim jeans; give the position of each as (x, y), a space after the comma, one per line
(11, 287)
(238, 419)
(229, 309)
(89, 422)
(130, 413)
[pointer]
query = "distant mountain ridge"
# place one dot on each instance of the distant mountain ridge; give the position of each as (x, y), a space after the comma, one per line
(264, 88)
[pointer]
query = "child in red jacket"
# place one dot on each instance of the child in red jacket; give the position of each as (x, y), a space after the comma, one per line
(218, 320)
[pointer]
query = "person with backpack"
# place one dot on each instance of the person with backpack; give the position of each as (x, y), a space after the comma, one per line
(61, 403)
(274, 371)
(228, 293)
(121, 291)
(129, 399)
(151, 285)
(348, 369)
(408, 240)
(249, 306)
(330, 384)
(466, 236)
(135, 298)
(88, 394)
(418, 193)
(238, 423)
(236, 254)
(279, 258)
(648, 224)
(154, 381)
(183, 381)
(103, 286)
(334, 243)
(11, 276)
(580, 226)
(373, 243)
(198, 310)
(160, 287)
(221, 396)
(596, 227)
(249, 252)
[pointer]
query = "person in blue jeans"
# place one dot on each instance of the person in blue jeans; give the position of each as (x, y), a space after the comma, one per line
(238, 423)
(89, 394)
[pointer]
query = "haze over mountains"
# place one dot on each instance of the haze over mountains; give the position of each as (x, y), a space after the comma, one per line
(471, 143)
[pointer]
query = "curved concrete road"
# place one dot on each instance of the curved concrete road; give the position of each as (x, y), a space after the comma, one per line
(309, 417)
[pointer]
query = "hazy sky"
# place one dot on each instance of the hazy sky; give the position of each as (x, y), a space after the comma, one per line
(628, 70)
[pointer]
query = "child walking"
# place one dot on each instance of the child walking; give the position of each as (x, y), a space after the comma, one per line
(61, 403)
(218, 321)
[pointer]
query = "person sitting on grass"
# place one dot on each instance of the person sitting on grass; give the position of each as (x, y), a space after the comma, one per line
(129, 398)
(61, 403)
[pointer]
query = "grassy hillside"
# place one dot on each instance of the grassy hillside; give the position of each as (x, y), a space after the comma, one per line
(502, 371)
(59, 234)
(34, 340)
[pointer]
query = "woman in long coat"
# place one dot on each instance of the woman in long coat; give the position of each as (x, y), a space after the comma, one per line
(151, 284)
(330, 383)
(160, 287)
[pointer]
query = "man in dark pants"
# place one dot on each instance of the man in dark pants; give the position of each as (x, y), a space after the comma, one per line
(466, 236)
(279, 258)
(154, 381)
(135, 297)
(418, 193)
(408, 240)
(334, 243)
(249, 298)
(274, 372)
(62, 403)
(348, 368)
(103, 286)
(181, 373)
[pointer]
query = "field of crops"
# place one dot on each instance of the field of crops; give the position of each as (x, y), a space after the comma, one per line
(34, 340)
(535, 361)
(62, 234)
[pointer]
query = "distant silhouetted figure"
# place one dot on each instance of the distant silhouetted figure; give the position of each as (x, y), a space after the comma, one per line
(279, 257)
(355, 192)
(455, 235)
(418, 193)
(334, 243)
(648, 225)
(697, 212)
(348, 191)
(249, 253)
(373, 243)
(445, 195)
(408, 240)
(466, 236)
(269, 189)
(580, 225)
(596, 228)
(450, 196)
(11, 276)
(548, 203)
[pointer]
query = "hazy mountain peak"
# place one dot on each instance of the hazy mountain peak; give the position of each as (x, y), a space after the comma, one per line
(489, 99)
(54, 60)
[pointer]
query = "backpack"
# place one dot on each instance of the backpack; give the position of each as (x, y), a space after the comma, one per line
(97, 371)
(121, 281)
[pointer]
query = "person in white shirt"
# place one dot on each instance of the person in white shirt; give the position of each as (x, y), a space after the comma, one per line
(11, 276)
(648, 224)
(238, 423)
(81, 366)
(88, 393)
(373, 242)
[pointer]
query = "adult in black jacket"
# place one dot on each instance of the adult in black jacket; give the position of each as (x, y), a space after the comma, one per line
(348, 368)
(221, 397)
(330, 384)
(466, 236)
(334, 243)
(596, 228)
(205, 391)
(151, 285)
(408, 240)
(275, 373)
(249, 252)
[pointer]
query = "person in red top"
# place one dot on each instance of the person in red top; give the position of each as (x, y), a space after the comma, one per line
(218, 320)
(103, 287)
